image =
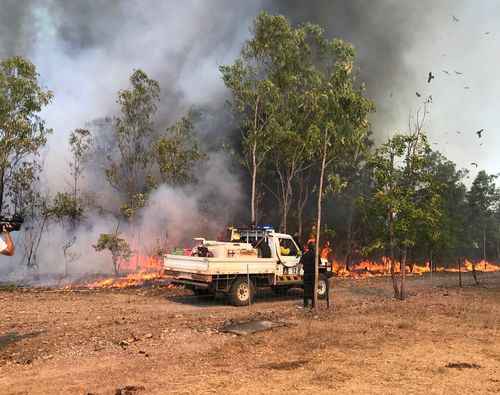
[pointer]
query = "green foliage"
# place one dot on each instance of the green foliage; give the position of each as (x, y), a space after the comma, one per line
(178, 152)
(287, 85)
(135, 136)
(138, 201)
(65, 206)
(483, 200)
(22, 132)
(405, 197)
(119, 248)
(256, 97)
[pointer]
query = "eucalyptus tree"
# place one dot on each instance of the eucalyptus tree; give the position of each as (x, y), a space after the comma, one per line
(405, 198)
(71, 204)
(447, 234)
(483, 200)
(340, 120)
(129, 169)
(22, 131)
(177, 153)
(256, 97)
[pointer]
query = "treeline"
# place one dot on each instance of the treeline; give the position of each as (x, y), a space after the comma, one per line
(300, 138)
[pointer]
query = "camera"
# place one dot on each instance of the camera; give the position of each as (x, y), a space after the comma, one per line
(16, 221)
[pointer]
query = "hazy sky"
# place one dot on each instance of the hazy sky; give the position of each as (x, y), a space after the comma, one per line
(86, 50)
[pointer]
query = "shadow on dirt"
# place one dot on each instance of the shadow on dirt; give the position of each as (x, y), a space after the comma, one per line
(263, 296)
(14, 337)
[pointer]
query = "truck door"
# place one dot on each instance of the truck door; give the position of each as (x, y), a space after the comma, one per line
(289, 255)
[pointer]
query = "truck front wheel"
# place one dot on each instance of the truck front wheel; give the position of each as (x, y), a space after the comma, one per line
(241, 292)
(322, 286)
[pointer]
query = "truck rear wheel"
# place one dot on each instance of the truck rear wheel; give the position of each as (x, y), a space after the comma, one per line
(322, 286)
(241, 292)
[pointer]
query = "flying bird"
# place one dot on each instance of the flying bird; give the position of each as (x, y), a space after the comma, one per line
(458, 72)
(430, 77)
(455, 19)
(418, 94)
(466, 87)
(458, 132)
(474, 163)
(479, 133)
(446, 72)
(487, 33)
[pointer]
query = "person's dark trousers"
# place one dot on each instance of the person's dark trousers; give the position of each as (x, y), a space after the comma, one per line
(308, 289)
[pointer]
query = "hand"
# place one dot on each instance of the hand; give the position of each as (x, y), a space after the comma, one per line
(7, 227)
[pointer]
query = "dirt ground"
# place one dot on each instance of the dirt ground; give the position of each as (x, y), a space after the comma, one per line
(443, 339)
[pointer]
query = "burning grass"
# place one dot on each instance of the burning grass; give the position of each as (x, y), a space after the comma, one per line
(381, 269)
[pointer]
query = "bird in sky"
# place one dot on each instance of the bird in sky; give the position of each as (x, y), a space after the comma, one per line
(458, 132)
(487, 33)
(446, 72)
(418, 94)
(430, 77)
(474, 163)
(458, 72)
(466, 87)
(455, 19)
(479, 133)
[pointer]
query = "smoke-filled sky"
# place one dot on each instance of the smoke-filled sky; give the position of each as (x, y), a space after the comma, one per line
(86, 50)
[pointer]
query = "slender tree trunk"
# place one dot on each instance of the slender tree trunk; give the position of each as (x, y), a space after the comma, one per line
(484, 241)
(2, 174)
(484, 249)
(349, 236)
(393, 262)
(402, 290)
(391, 238)
(254, 183)
(286, 202)
(302, 201)
(459, 273)
(430, 259)
(474, 272)
(318, 223)
(115, 266)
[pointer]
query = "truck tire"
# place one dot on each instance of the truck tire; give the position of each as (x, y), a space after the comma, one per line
(241, 292)
(322, 286)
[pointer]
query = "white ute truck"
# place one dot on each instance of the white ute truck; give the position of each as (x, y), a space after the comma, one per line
(255, 258)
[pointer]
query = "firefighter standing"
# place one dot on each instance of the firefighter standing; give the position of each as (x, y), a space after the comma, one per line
(308, 263)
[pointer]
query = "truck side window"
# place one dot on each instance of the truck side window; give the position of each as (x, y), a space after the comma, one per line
(287, 247)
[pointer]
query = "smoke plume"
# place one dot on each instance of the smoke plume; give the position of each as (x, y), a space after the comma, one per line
(85, 52)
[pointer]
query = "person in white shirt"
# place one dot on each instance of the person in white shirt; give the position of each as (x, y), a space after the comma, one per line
(7, 246)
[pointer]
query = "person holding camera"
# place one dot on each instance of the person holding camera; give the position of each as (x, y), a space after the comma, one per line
(7, 246)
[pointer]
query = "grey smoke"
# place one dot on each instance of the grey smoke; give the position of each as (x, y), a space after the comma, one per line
(85, 52)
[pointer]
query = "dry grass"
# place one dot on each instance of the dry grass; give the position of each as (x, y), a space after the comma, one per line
(442, 339)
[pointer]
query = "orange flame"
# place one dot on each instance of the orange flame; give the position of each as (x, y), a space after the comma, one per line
(145, 269)
(375, 269)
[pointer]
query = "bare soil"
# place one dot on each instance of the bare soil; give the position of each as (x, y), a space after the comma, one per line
(443, 339)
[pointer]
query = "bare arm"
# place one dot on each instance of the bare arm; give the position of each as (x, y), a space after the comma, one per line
(9, 250)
